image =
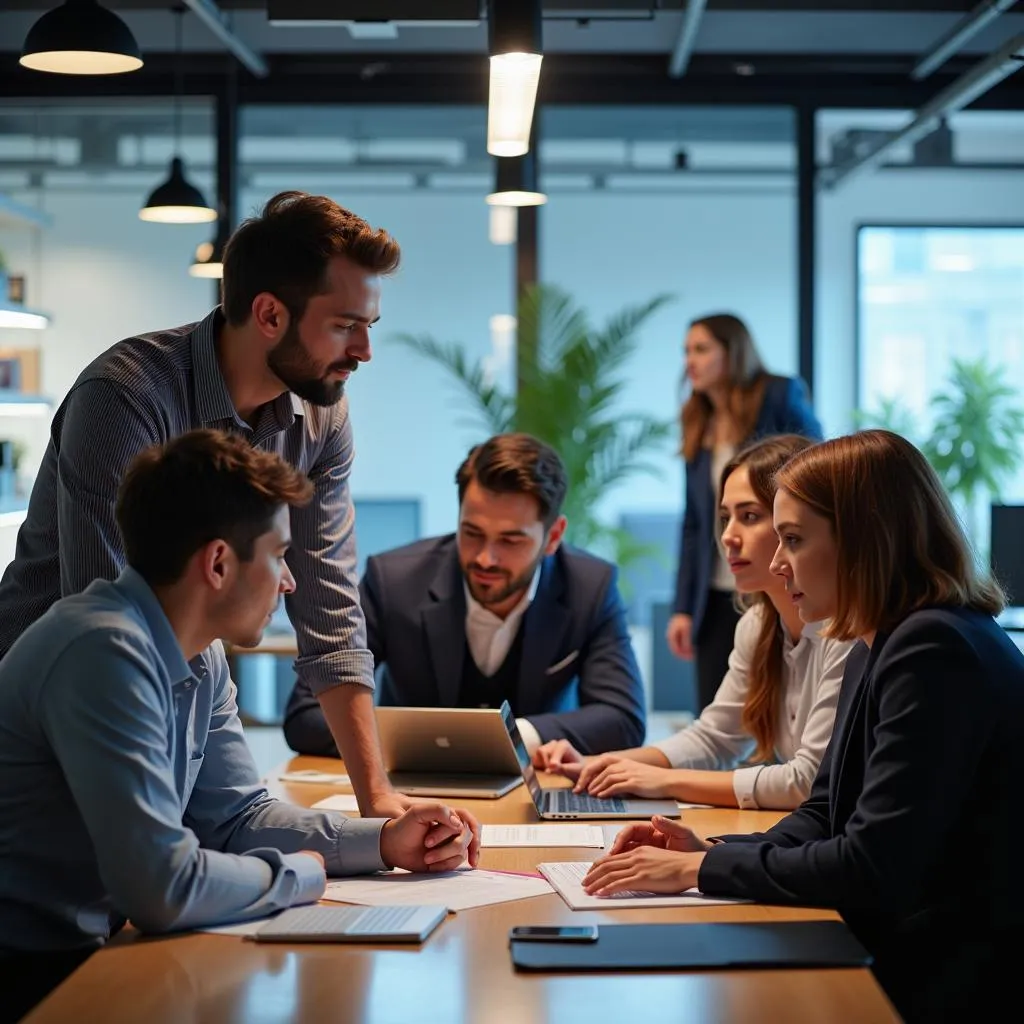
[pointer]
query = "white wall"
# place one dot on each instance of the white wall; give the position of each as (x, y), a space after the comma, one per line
(886, 197)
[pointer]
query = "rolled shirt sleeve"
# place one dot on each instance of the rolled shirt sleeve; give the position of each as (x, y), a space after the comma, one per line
(325, 609)
(718, 740)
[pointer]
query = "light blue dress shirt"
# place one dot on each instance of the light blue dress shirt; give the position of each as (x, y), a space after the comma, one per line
(127, 790)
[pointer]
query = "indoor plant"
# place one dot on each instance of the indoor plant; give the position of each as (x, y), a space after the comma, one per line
(974, 440)
(568, 395)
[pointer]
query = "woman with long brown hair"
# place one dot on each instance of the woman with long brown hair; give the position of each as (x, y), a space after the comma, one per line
(732, 401)
(760, 741)
(913, 828)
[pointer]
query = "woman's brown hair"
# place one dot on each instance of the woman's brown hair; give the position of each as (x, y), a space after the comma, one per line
(900, 545)
(747, 379)
(762, 461)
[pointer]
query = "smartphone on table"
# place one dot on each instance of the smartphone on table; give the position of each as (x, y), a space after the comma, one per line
(553, 933)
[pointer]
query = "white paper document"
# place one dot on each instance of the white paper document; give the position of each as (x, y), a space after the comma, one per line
(245, 928)
(311, 775)
(567, 878)
(338, 802)
(541, 835)
(456, 890)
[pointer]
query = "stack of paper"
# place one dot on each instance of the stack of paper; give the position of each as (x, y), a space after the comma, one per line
(541, 835)
(456, 890)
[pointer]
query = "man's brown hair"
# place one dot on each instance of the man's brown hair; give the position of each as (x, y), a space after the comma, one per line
(900, 544)
(517, 464)
(201, 486)
(285, 251)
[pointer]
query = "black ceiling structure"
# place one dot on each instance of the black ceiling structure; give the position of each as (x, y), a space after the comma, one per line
(806, 55)
(745, 52)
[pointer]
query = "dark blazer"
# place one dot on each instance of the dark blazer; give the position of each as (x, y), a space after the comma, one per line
(913, 829)
(786, 409)
(578, 675)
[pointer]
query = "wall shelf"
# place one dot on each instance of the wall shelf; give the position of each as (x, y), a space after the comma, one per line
(14, 317)
(13, 511)
(13, 212)
(21, 403)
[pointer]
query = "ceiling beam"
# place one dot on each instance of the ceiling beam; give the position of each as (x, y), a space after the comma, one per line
(986, 74)
(959, 35)
(217, 22)
(687, 38)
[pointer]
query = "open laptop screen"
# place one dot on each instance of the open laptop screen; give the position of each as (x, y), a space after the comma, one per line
(525, 764)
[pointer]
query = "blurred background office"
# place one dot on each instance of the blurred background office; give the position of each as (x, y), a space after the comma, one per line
(848, 177)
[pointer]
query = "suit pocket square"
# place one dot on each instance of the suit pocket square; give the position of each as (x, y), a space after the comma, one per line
(559, 665)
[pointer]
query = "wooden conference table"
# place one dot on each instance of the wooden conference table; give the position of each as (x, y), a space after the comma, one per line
(462, 974)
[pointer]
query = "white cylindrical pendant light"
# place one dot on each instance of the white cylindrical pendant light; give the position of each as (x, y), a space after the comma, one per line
(514, 34)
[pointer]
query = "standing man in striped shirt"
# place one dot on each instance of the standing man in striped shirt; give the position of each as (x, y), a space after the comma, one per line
(301, 290)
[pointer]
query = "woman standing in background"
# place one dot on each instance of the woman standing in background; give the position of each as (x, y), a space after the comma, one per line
(732, 400)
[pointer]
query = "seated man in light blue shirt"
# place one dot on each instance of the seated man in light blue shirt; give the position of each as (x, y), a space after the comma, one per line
(127, 791)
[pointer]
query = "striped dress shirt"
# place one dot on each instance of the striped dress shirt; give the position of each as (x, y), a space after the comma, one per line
(146, 390)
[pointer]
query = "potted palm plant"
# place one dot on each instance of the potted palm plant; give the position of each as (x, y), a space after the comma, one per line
(568, 395)
(974, 442)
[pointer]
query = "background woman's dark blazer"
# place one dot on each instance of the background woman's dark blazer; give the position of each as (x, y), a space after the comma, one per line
(914, 828)
(786, 409)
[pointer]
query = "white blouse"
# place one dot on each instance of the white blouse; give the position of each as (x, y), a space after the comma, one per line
(812, 670)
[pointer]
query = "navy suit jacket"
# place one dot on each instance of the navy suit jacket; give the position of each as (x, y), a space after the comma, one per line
(786, 409)
(913, 828)
(578, 675)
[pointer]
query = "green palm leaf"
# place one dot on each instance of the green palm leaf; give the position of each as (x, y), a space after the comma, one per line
(569, 395)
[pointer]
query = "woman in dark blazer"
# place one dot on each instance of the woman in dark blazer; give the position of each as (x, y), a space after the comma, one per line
(732, 400)
(913, 830)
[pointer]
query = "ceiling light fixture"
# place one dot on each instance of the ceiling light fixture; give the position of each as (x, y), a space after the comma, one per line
(209, 260)
(81, 38)
(503, 227)
(177, 200)
(515, 182)
(514, 35)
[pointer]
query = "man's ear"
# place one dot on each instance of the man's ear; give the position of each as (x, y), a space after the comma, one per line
(269, 316)
(217, 560)
(555, 535)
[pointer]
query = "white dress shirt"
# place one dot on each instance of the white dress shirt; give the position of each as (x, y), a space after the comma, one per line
(812, 670)
(490, 638)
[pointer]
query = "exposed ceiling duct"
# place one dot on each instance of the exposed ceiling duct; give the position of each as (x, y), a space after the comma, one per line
(959, 35)
(985, 75)
(687, 38)
(217, 22)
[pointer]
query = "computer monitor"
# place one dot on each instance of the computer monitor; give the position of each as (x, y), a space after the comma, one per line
(1006, 545)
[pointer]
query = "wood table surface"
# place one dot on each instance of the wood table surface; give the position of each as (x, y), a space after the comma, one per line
(462, 974)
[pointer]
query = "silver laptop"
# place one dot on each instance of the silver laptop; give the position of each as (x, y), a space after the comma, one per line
(449, 752)
(564, 803)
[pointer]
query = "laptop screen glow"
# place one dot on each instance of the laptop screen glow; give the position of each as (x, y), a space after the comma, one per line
(525, 764)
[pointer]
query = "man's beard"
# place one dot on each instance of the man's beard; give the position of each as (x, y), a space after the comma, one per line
(292, 365)
(499, 592)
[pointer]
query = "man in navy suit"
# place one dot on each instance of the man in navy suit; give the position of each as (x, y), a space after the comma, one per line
(500, 610)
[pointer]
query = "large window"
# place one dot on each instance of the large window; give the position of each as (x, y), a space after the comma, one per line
(929, 298)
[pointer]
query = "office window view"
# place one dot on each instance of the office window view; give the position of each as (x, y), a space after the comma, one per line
(930, 299)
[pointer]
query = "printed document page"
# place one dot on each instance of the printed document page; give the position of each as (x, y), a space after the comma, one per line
(456, 890)
(567, 878)
(541, 835)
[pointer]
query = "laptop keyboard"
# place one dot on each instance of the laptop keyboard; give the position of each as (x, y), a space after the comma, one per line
(319, 920)
(562, 801)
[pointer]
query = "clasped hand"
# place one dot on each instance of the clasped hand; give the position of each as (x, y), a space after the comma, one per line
(660, 856)
(428, 835)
